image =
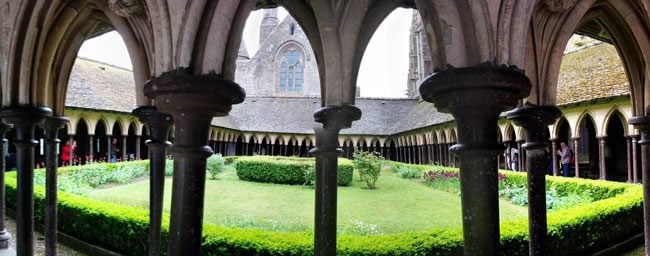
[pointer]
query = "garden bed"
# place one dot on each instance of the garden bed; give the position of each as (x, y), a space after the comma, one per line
(579, 230)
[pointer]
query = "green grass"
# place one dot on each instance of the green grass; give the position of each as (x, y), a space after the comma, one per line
(397, 205)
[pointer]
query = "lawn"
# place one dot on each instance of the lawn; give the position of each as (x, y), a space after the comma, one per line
(397, 204)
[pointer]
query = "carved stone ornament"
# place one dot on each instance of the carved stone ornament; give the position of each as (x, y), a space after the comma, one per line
(125, 8)
(560, 5)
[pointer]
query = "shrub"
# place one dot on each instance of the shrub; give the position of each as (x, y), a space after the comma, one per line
(408, 172)
(169, 167)
(215, 165)
(368, 165)
(286, 170)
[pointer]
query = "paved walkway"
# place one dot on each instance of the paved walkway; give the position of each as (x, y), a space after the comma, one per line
(39, 245)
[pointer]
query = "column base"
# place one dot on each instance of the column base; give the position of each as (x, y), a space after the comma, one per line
(5, 236)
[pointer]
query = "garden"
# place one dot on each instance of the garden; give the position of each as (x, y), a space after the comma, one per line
(265, 205)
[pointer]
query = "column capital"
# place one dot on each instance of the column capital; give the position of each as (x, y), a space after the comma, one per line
(337, 117)
(604, 137)
(535, 120)
(51, 125)
(159, 123)
(642, 123)
(24, 119)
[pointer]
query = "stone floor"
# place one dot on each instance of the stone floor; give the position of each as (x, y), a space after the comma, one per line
(39, 245)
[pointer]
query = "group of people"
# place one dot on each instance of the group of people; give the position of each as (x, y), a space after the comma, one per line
(69, 156)
(565, 154)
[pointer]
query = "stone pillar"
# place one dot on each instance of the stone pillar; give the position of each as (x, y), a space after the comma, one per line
(25, 119)
(137, 147)
(91, 148)
(554, 155)
(4, 234)
(629, 158)
(333, 118)
(159, 125)
(192, 101)
(642, 123)
(506, 144)
(108, 148)
(520, 156)
(52, 126)
(635, 165)
(124, 155)
(475, 96)
(601, 157)
(576, 142)
(535, 120)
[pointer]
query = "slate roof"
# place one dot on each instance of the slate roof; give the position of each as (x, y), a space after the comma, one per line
(295, 115)
(100, 86)
(591, 73)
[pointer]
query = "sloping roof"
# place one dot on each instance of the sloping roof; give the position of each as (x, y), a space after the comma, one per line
(591, 73)
(100, 86)
(295, 115)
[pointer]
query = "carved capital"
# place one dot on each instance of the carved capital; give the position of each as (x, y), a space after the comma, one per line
(559, 5)
(126, 8)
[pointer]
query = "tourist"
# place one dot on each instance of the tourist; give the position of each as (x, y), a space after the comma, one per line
(565, 158)
(514, 159)
(68, 152)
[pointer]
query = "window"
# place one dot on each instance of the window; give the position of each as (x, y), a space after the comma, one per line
(292, 29)
(291, 72)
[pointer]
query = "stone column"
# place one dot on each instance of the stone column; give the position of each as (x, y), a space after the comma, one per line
(635, 165)
(108, 148)
(629, 158)
(137, 147)
(4, 234)
(475, 96)
(535, 120)
(601, 157)
(576, 142)
(192, 101)
(124, 155)
(91, 148)
(554, 155)
(333, 118)
(25, 119)
(642, 123)
(520, 156)
(159, 125)
(52, 126)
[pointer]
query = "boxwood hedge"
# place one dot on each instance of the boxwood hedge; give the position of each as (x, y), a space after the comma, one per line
(287, 170)
(579, 230)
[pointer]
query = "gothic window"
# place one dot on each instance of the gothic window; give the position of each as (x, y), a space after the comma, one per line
(291, 72)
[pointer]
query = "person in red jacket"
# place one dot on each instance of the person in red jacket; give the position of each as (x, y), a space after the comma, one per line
(67, 152)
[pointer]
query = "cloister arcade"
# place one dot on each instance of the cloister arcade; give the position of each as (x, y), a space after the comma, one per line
(184, 53)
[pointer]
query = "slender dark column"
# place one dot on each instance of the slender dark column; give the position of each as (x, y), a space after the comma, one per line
(635, 165)
(520, 156)
(192, 101)
(108, 148)
(137, 147)
(554, 155)
(4, 234)
(601, 157)
(25, 119)
(159, 125)
(124, 156)
(440, 159)
(535, 120)
(642, 123)
(629, 158)
(450, 155)
(52, 125)
(91, 149)
(475, 96)
(576, 142)
(333, 118)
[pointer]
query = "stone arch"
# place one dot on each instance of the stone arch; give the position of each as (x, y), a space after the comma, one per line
(510, 134)
(586, 115)
(615, 111)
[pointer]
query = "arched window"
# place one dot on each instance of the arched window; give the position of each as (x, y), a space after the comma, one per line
(291, 72)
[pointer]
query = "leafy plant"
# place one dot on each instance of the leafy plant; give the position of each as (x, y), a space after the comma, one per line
(368, 164)
(215, 165)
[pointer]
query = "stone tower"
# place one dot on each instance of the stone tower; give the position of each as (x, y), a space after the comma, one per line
(419, 57)
(269, 22)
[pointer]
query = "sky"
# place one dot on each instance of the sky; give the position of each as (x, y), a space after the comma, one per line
(383, 71)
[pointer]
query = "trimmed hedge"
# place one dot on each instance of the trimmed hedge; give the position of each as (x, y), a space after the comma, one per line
(580, 230)
(287, 170)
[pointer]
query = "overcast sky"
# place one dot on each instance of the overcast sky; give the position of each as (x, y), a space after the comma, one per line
(383, 71)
